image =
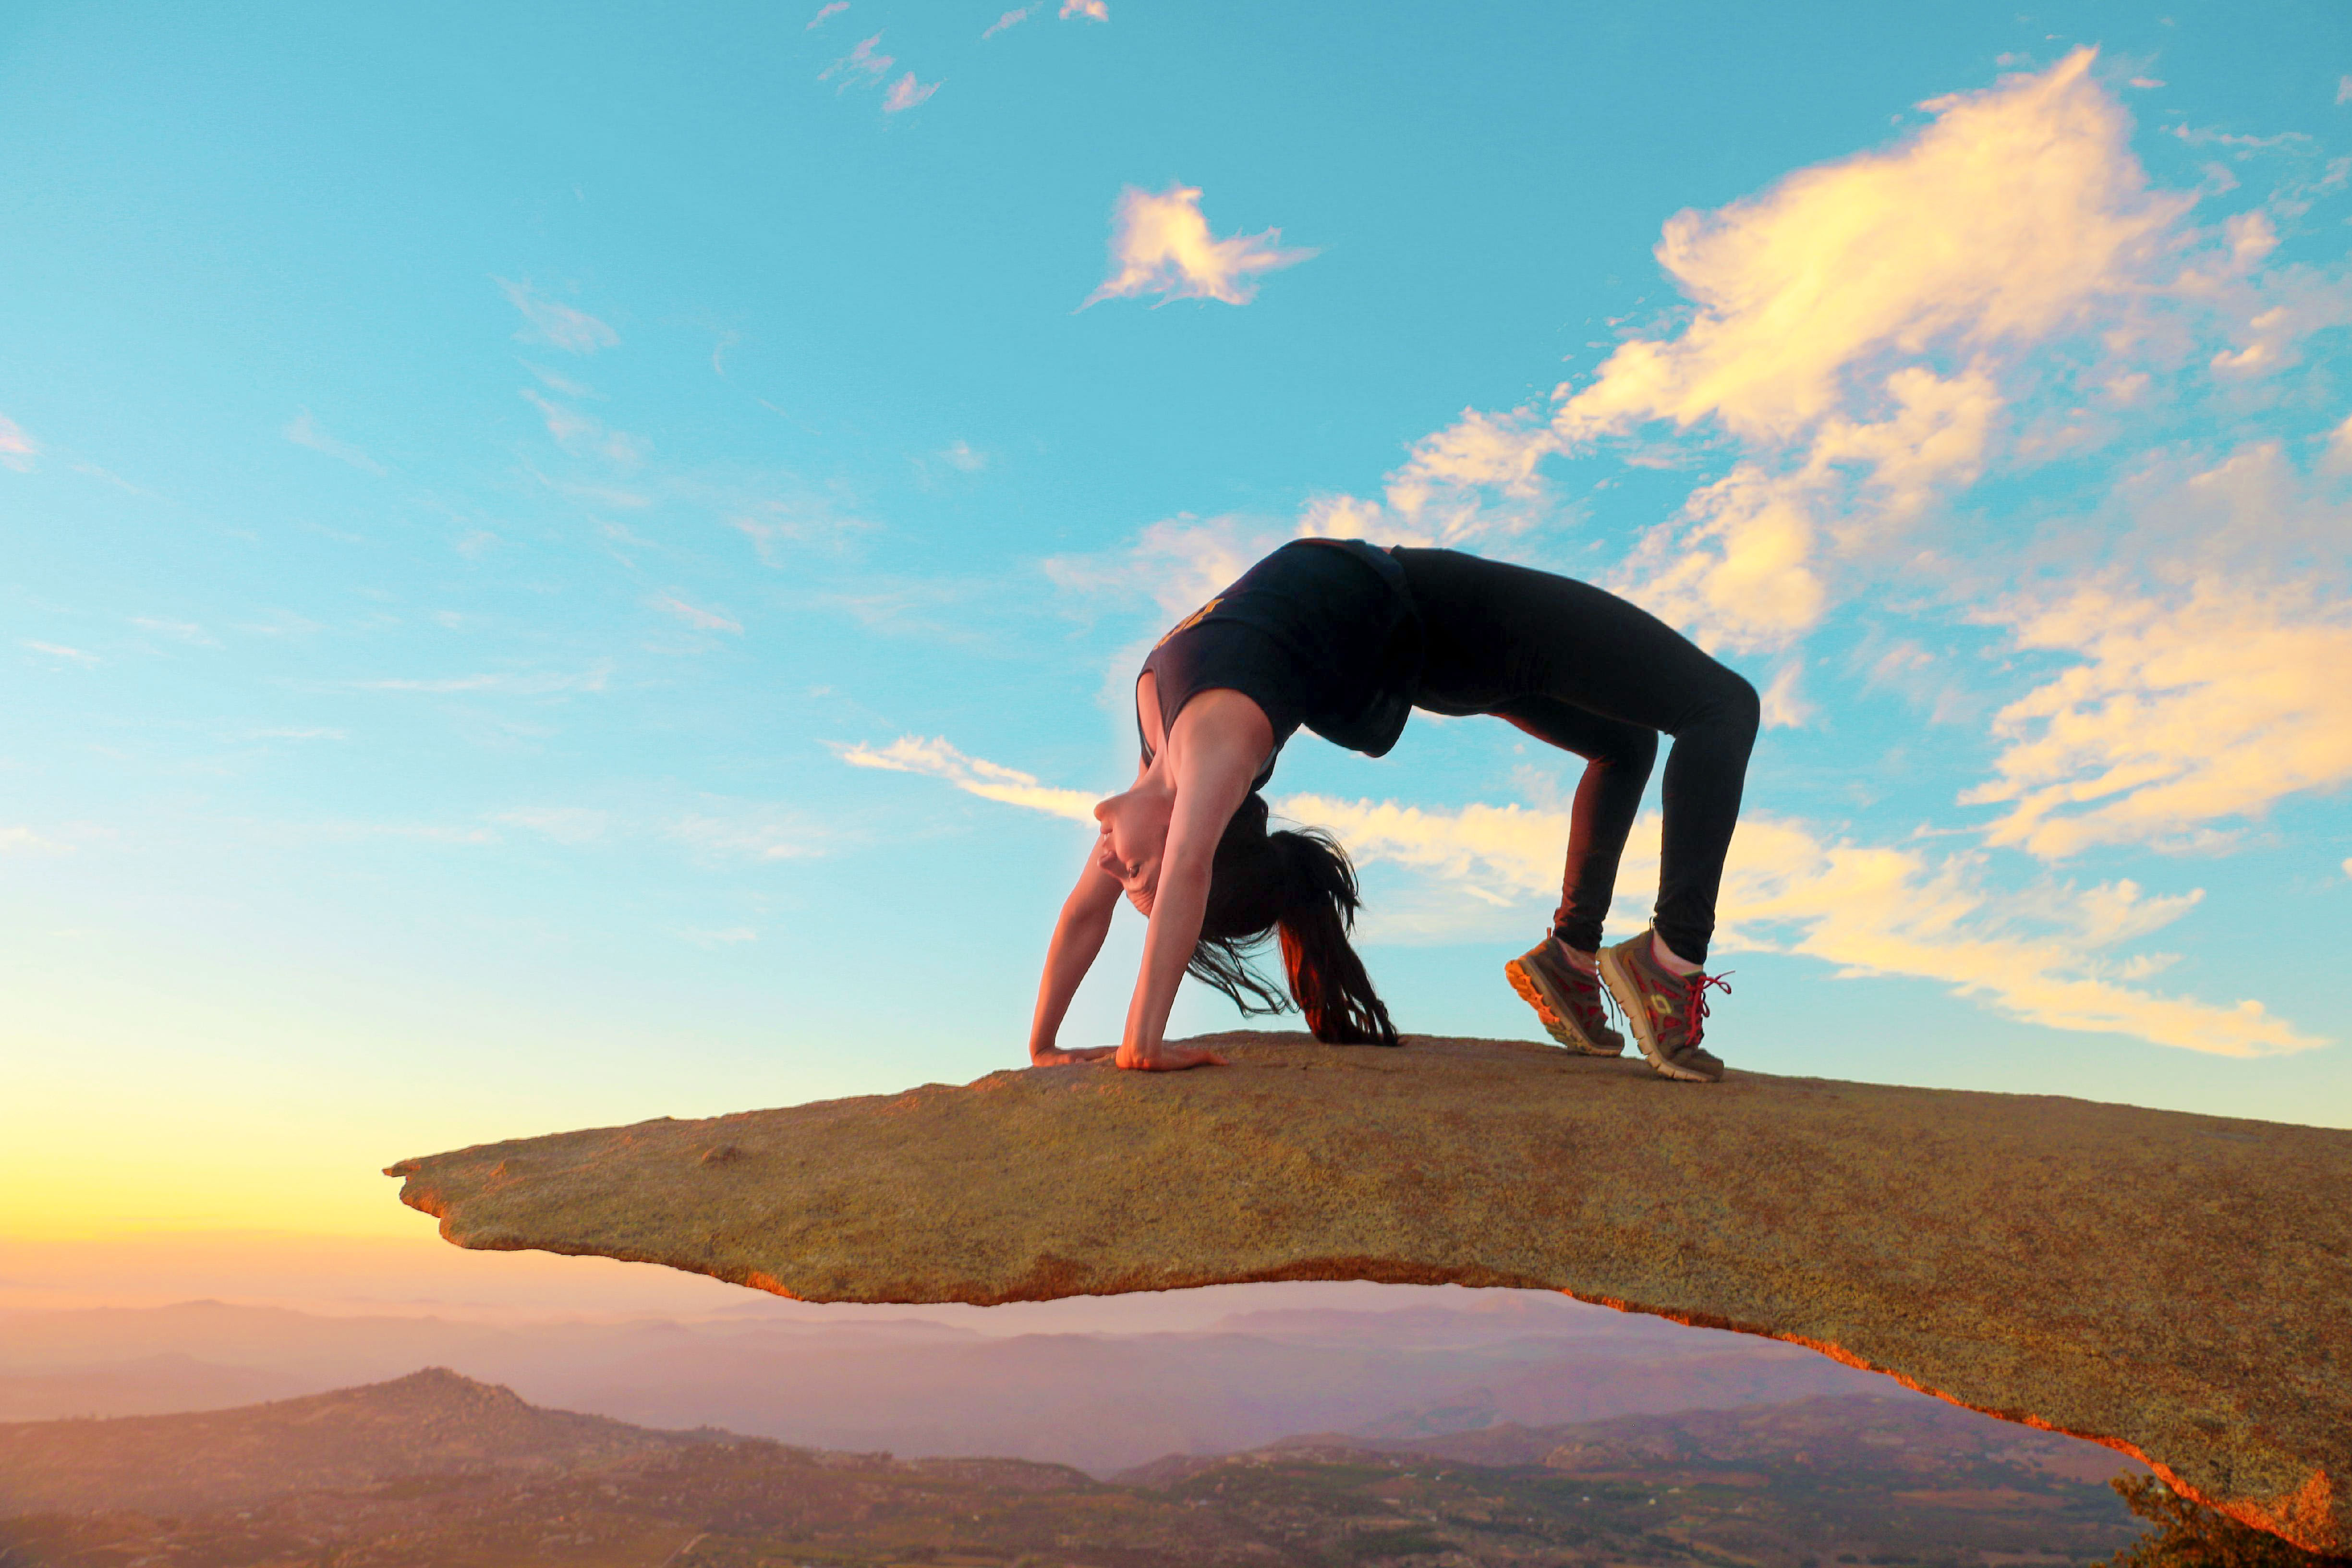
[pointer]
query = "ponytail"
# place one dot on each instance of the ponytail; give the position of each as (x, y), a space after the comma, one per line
(1299, 885)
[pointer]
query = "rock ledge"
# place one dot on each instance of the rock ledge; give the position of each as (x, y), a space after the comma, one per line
(2177, 1287)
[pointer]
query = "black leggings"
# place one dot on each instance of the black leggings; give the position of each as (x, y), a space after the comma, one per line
(1586, 671)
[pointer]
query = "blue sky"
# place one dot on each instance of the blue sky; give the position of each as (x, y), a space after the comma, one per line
(580, 563)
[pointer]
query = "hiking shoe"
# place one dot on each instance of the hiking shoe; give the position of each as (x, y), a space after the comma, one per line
(1666, 1012)
(1570, 1002)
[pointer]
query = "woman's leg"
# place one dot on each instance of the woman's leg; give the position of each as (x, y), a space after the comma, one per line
(1498, 634)
(1617, 759)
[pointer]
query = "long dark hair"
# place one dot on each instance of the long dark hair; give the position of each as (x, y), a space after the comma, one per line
(1297, 883)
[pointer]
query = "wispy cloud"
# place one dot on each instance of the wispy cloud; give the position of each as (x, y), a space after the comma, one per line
(1160, 244)
(2203, 705)
(962, 456)
(556, 325)
(1176, 563)
(747, 833)
(512, 683)
(694, 615)
(905, 93)
(583, 436)
(1009, 19)
(826, 13)
(989, 780)
(864, 65)
(303, 431)
(178, 631)
(1085, 10)
(26, 841)
(562, 824)
(61, 654)
(18, 450)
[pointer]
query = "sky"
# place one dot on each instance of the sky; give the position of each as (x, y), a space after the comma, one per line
(571, 565)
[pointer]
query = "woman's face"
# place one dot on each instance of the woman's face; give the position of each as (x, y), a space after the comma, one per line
(1134, 835)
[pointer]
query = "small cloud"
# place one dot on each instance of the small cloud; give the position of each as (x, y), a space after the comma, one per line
(862, 65)
(179, 631)
(1085, 10)
(510, 683)
(562, 383)
(24, 841)
(61, 654)
(1009, 19)
(699, 618)
(303, 431)
(18, 450)
(1783, 707)
(961, 455)
(2146, 82)
(2344, 90)
(1160, 244)
(745, 836)
(819, 20)
(906, 93)
(563, 824)
(584, 436)
(557, 325)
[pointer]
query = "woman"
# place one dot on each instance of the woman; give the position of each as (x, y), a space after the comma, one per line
(1345, 638)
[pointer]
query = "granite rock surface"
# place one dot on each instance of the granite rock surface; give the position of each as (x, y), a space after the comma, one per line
(2179, 1287)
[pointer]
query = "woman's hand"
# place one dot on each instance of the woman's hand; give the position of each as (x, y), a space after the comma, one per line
(1056, 1057)
(1168, 1059)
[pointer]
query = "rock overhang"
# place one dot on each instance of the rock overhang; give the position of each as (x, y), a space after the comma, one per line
(2178, 1286)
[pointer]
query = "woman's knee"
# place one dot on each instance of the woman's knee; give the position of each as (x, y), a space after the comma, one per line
(1732, 705)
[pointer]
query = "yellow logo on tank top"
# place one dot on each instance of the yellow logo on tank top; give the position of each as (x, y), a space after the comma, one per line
(1194, 619)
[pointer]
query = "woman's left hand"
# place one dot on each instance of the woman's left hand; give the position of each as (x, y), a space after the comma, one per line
(1054, 1056)
(1168, 1059)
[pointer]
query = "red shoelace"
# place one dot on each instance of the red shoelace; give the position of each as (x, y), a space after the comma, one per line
(1695, 1000)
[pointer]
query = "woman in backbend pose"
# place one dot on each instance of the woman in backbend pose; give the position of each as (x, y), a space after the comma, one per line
(1346, 638)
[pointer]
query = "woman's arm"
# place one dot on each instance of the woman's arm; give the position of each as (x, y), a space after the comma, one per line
(1221, 739)
(1078, 937)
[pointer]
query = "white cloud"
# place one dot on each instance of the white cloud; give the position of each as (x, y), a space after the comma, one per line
(1009, 19)
(747, 833)
(1160, 244)
(556, 325)
(26, 841)
(60, 653)
(18, 450)
(563, 824)
(693, 616)
(905, 93)
(507, 683)
(728, 937)
(178, 631)
(834, 8)
(937, 759)
(1085, 10)
(2344, 90)
(2205, 703)
(584, 437)
(962, 456)
(303, 431)
(864, 65)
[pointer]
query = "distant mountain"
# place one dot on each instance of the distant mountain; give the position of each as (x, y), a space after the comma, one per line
(428, 1423)
(437, 1468)
(1101, 1401)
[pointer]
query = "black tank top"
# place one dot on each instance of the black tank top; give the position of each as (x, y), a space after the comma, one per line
(1320, 633)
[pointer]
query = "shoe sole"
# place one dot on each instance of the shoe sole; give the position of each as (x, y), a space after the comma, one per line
(1564, 1030)
(1633, 1003)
